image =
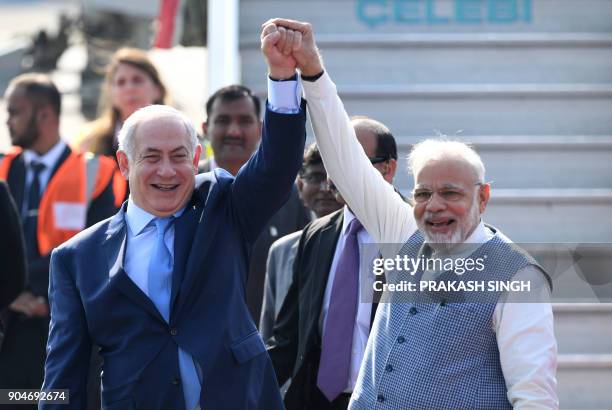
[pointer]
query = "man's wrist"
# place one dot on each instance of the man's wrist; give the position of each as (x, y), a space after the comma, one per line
(281, 74)
(313, 78)
(313, 69)
(294, 77)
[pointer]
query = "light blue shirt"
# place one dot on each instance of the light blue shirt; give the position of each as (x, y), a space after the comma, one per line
(284, 96)
(141, 240)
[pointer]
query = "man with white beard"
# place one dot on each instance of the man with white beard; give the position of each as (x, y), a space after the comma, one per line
(494, 355)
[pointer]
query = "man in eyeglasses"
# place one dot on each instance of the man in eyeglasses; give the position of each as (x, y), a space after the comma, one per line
(324, 322)
(427, 353)
(316, 195)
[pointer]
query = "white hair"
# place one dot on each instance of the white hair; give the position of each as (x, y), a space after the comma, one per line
(441, 149)
(128, 130)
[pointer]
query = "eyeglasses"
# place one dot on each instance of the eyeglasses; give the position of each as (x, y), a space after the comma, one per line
(315, 178)
(422, 196)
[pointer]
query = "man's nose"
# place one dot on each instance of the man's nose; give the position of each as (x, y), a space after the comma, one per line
(234, 129)
(166, 169)
(435, 203)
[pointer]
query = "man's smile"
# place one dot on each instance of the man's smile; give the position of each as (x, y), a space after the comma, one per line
(165, 187)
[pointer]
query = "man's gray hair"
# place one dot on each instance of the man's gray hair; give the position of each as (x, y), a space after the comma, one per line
(441, 149)
(128, 130)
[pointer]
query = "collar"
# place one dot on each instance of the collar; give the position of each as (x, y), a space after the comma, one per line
(480, 235)
(137, 218)
(49, 158)
(212, 163)
(348, 216)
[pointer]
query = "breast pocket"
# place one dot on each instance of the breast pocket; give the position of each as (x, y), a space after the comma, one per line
(248, 348)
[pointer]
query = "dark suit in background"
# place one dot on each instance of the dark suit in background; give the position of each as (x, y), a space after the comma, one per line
(295, 348)
(12, 252)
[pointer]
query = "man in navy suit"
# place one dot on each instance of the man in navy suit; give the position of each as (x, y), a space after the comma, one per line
(160, 287)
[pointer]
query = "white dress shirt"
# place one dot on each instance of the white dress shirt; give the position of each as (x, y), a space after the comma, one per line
(361, 331)
(524, 331)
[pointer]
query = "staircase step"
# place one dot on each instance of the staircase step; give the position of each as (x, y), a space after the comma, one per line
(551, 109)
(477, 58)
(484, 109)
(584, 381)
(552, 215)
(583, 328)
(529, 162)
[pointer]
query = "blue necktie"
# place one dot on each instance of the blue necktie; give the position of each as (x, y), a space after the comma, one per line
(335, 362)
(160, 287)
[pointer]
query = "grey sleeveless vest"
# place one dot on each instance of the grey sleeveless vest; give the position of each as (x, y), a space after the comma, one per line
(432, 354)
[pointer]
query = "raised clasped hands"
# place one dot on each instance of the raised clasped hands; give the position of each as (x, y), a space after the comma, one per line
(287, 45)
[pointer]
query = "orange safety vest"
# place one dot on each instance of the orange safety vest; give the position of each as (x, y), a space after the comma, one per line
(62, 212)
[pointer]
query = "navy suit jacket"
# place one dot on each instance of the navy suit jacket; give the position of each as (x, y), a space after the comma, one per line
(93, 300)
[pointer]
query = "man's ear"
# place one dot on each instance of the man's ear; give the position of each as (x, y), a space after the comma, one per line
(483, 196)
(300, 185)
(204, 128)
(124, 164)
(392, 170)
(196, 157)
(42, 115)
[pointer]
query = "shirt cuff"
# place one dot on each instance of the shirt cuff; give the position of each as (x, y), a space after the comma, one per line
(320, 88)
(284, 96)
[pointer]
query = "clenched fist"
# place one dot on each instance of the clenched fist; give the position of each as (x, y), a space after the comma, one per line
(288, 44)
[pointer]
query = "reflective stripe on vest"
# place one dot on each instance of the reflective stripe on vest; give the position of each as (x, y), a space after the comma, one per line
(63, 207)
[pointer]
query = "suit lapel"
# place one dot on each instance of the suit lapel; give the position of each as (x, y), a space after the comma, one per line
(205, 229)
(114, 247)
(184, 231)
(326, 247)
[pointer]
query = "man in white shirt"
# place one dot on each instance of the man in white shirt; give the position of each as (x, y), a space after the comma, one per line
(496, 355)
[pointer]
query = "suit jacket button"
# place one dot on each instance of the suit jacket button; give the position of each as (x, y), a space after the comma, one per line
(173, 331)
(176, 381)
(401, 339)
(380, 398)
(389, 368)
(413, 311)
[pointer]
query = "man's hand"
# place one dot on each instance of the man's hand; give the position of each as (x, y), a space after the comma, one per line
(305, 52)
(30, 305)
(277, 44)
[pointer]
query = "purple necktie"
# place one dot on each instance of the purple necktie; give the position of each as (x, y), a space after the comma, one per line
(338, 333)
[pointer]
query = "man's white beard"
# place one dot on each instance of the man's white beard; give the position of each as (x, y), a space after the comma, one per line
(444, 242)
(441, 242)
